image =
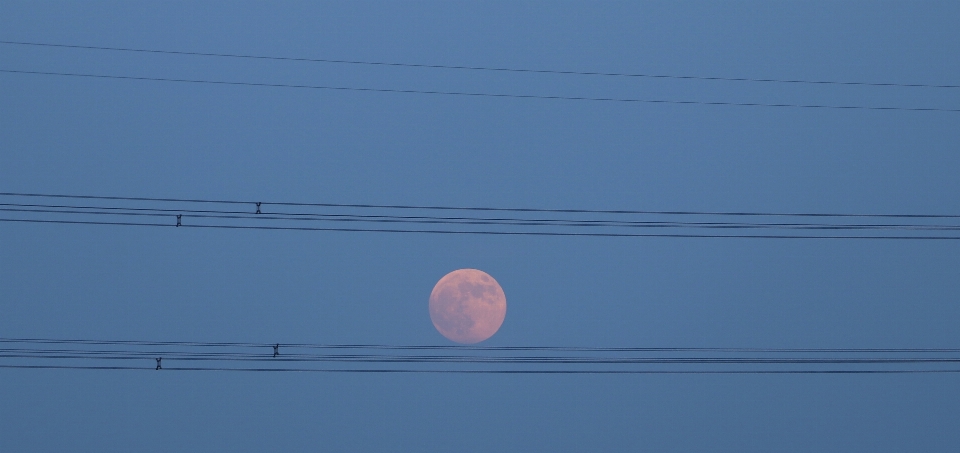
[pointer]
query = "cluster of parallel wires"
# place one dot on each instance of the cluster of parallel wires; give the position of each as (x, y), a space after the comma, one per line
(234, 214)
(381, 65)
(40, 353)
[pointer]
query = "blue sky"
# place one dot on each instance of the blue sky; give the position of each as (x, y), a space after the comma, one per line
(151, 139)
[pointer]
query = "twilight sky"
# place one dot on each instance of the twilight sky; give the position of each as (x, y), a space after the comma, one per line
(64, 135)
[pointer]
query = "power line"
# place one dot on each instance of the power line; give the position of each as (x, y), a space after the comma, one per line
(557, 372)
(195, 213)
(40, 353)
(489, 233)
(463, 355)
(474, 208)
(433, 220)
(486, 95)
(17, 353)
(206, 344)
(485, 68)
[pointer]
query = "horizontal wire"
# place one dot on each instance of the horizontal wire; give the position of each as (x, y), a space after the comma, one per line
(141, 355)
(219, 214)
(488, 233)
(483, 68)
(150, 355)
(486, 95)
(169, 360)
(233, 354)
(360, 217)
(470, 348)
(424, 371)
(474, 208)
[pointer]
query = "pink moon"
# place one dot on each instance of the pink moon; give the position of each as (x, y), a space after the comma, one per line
(467, 306)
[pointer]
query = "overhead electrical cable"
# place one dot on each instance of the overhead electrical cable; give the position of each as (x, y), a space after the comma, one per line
(220, 214)
(45, 353)
(556, 372)
(485, 95)
(475, 208)
(377, 359)
(482, 68)
(195, 213)
(489, 232)
(235, 344)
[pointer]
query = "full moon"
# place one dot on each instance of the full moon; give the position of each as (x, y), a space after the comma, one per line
(467, 306)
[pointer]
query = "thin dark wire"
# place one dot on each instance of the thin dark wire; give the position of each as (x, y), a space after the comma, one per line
(173, 357)
(488, 95)
(483, 68)
(113, 210)
(137, 351)
(411, 371)
(491, 233)
(544, 360)
(469, 208)
(219, 214)
(471, 348)
(454, 220)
